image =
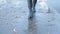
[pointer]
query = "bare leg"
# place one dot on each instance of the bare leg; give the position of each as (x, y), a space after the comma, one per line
(30, 8)
(30, 4)
(34, 4)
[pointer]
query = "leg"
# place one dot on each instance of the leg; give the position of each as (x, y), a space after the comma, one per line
(34, 4)
(30, 8)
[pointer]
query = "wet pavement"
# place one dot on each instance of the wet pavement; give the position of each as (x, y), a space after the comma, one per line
(14, 18)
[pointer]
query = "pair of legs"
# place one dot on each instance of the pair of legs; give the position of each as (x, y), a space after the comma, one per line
(31, 6)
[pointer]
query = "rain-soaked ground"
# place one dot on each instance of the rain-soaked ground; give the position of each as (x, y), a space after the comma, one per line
(14, 18)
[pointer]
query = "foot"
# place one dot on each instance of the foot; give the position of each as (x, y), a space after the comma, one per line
(33, 9)
(30, 17)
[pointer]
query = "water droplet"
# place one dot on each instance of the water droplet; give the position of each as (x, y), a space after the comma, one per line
(14, 31)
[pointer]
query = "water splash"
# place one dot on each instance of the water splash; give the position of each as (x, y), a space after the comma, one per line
(43, 4)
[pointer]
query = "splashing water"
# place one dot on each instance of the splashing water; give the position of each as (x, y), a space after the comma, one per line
(43, 4)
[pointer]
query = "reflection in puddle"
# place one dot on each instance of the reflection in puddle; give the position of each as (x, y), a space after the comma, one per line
(32, 29)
